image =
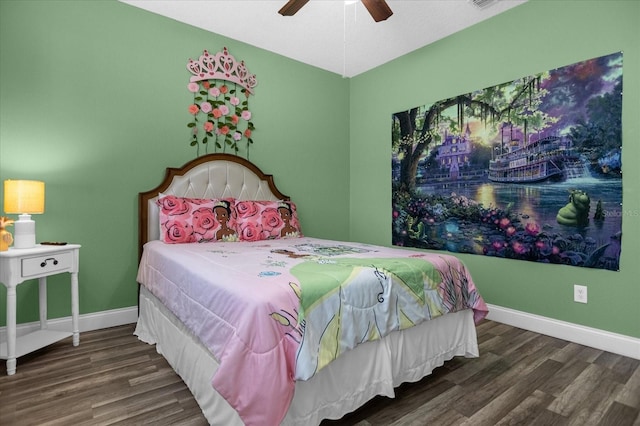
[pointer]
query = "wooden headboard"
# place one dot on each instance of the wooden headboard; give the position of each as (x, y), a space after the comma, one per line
(208, 176)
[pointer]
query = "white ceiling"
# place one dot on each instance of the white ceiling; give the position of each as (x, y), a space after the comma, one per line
(330, 34)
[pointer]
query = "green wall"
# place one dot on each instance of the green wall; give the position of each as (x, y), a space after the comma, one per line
(534, 37)
(93, 101)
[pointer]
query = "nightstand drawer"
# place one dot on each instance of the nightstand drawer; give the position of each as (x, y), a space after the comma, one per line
(46, 264)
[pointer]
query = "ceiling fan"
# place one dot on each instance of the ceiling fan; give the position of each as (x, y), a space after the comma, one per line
(379, 9)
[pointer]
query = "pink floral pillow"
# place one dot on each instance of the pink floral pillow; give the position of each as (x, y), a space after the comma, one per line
(196, 220)
(266, 220)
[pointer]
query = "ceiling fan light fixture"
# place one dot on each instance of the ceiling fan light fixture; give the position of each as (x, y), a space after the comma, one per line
(378, 9)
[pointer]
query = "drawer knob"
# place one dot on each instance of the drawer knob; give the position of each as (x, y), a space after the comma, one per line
(43, 264)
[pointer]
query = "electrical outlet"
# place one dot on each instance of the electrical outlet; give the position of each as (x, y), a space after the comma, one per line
(580, 293)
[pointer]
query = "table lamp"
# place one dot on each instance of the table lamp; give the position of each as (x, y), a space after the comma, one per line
(24, 197)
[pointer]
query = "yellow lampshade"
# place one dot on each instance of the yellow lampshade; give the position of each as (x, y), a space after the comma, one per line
(23, 196)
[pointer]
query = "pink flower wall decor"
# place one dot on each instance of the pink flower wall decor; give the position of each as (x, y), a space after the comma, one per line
(221, 87)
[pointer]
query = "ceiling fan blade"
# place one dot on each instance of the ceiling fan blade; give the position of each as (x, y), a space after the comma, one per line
(379, 9)
(292, 7)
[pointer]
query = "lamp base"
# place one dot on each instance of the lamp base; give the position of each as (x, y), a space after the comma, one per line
(25, 232)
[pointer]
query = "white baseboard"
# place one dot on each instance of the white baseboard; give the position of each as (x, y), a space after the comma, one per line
(87, 322)
(587, 336)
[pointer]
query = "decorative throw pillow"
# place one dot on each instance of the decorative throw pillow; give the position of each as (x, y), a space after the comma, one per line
(265, 220)
(196, 220)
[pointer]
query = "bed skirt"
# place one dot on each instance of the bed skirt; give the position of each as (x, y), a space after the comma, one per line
(370, 369)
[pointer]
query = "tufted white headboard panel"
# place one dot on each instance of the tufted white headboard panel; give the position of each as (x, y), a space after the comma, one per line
(209, 176)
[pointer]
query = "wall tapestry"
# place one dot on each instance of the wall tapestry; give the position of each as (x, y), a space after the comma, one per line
(529, 170)
(219, 115)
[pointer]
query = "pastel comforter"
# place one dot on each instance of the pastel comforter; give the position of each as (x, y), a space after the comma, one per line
(276, 311)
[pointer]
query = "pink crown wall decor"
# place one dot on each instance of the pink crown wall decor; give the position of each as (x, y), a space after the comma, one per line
(219, 116)
(221, 66)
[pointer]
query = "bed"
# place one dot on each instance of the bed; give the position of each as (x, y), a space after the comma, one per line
(274, 327)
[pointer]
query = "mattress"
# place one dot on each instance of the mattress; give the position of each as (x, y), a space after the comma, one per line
(281, 310)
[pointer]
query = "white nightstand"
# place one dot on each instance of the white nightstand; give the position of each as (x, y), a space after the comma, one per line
(19, 265)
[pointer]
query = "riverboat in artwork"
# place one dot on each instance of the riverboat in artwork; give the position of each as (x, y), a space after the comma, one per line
(551, 157)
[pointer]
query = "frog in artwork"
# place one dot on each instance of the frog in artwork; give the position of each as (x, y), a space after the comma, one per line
(576, 211)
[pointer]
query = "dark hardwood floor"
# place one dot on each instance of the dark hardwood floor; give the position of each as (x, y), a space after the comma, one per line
(520, 378)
